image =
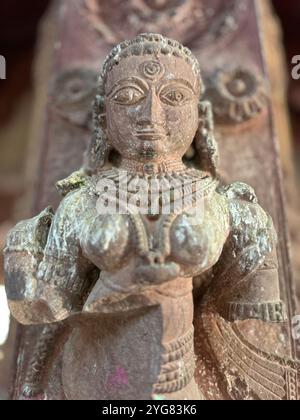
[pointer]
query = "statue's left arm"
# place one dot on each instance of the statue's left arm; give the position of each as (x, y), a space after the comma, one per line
(245, 281)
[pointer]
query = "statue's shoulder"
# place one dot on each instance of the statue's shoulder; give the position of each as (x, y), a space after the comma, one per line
(243, 203)
(250, 223)
(82, 182)
(78, 201)
(77, 181)
(78, 190)
(238, 191)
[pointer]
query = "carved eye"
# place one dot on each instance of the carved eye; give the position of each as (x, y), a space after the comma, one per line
(128, 96)
(175, 96)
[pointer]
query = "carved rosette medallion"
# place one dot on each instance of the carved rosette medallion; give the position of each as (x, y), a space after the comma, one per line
(72, 93)
(237, 95)
(192, 22)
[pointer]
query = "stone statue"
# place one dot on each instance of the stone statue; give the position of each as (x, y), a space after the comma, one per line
(119, 264)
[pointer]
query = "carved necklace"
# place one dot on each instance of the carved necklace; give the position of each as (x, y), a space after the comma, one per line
(198, 181)
(197, 185)
(152, 195)
(145, 169)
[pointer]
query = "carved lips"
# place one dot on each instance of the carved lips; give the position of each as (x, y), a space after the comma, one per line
(151, 134)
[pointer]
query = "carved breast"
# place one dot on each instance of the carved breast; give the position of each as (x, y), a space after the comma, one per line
(194, 242)
(197, 242)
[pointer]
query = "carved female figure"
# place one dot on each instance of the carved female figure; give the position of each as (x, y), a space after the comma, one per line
(124, 280)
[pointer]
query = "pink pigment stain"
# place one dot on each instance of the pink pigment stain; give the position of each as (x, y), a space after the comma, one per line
(117, 380)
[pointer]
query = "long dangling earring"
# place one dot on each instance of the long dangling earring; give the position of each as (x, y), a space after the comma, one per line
(205, 142)
(98, 150)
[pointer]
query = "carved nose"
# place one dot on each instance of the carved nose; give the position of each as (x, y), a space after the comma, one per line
(151, 115)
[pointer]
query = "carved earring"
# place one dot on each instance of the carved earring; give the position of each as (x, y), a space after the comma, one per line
(98, 150)
(205, 142)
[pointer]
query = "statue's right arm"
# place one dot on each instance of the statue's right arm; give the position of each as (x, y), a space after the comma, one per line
(23, 254)
(47, 278)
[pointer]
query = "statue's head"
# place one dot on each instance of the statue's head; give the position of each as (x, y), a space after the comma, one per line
(147, 108)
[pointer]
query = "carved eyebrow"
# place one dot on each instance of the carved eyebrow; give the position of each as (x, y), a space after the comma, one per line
(129, 82)
(172, 81)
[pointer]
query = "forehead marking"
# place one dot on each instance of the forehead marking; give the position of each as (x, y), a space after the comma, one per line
(152, 70)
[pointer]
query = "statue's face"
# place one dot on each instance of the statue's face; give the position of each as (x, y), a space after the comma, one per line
(152, 107)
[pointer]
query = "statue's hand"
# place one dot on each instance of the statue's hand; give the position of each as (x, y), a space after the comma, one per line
(114, 290)
(156, 272)
(22, 256)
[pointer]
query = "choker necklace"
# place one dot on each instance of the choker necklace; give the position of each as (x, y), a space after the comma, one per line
(152, 168)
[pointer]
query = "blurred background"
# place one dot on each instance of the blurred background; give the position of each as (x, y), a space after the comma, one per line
(18, 35)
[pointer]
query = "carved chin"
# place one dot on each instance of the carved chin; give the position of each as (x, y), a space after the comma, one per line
(150, 149)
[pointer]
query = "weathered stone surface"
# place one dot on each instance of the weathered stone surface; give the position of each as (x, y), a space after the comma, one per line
(224, 334)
